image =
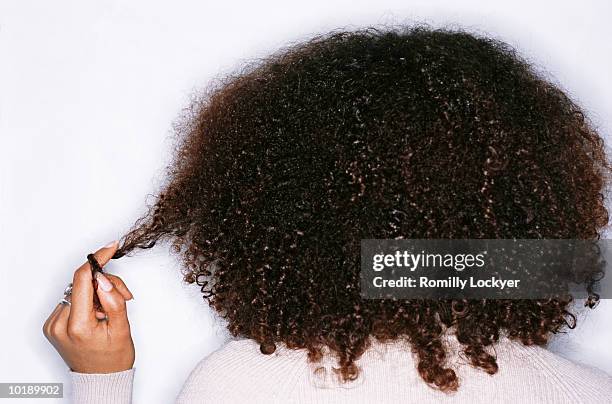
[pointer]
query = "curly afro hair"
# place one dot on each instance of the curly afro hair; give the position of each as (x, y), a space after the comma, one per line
(281, 169)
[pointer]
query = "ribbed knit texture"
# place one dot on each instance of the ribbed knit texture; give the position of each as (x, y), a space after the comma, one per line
(105, 388)
(239, 373)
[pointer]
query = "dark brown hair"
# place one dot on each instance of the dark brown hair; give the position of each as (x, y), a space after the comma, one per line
(281, 170)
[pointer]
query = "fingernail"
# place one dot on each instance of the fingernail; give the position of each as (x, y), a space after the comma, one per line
(111, 244)
(103, 282)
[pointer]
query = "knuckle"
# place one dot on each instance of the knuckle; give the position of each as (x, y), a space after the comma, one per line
(55, 329)
(77, 331)
(117, 308)
(115, 300)
(82, 271)
(45, 329)
(116, 280)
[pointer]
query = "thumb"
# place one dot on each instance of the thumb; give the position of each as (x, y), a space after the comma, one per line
(112, 302)
(104, 254)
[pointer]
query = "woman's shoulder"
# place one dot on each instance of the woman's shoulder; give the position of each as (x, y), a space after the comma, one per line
(537, 368)
(238, 371)
(240, 353)
(234, 351)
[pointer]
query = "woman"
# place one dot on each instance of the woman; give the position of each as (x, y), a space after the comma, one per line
(281, 171)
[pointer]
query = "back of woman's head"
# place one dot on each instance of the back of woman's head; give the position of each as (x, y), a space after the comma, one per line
(281, 170)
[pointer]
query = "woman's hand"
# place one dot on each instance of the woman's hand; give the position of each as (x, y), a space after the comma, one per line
(87, 340)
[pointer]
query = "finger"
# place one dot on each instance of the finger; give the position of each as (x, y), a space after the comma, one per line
(58, 325)
(113, 303)
(104, 254)
(100, 315)
(82, 310)
(82, 296)
(120, 285)
(47, 324)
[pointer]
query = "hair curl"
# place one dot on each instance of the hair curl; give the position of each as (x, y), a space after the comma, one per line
(281, 169)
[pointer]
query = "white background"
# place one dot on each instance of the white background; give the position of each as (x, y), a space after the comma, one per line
(88, 93)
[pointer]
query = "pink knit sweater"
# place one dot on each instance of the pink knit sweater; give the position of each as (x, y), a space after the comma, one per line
(239, 373)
